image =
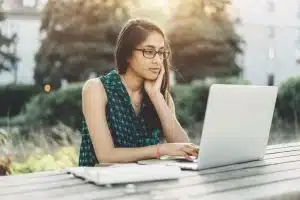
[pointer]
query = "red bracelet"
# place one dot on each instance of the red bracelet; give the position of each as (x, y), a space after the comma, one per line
(157, 151)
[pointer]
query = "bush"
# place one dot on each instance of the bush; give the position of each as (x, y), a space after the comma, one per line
(182, 95)
(13, 121)
(60, 105)
(14, 97)
(288, 100)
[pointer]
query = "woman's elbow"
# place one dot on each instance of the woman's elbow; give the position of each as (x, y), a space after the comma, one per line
(105, 157)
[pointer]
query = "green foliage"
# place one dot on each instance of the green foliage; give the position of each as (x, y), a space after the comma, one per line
(14, 97)
(62, 158)
(80, 39)
(13, 121)
(203, 43)
(60, 105)
(288, 100)
(182, 95)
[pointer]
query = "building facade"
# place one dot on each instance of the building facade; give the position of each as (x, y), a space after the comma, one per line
(23, 18)
(271, 30)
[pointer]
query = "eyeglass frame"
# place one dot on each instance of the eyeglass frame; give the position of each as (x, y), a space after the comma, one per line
(156, 52)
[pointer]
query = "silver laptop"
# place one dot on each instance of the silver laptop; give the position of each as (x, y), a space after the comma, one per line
(236, 126)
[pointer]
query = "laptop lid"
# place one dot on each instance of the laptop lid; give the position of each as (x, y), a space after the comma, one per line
(237, 124)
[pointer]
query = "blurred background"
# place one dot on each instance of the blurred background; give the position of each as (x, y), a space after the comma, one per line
(48, 48)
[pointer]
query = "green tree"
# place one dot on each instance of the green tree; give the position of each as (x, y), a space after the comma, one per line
(78, 39)
(203, 40)
(9, 59)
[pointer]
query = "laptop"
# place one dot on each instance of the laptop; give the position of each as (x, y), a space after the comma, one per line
(236, 126)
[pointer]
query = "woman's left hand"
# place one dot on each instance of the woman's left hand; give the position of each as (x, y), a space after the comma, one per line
(153, 87)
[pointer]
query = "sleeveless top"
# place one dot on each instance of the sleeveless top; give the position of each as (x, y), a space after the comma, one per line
(127, 128)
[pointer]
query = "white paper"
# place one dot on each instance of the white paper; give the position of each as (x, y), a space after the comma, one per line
(127, 173)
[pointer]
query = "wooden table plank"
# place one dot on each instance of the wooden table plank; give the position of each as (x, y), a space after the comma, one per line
(102, 192)
(34, 180)
(31, 175)
(136, 197)
(276, 150)
(283, 145)
(259, 163)
(282, 154)
(35, 187)
(277, 190)
(232, 184)
(57, 193)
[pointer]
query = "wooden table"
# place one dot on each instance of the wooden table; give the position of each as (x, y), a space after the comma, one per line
(276, 177)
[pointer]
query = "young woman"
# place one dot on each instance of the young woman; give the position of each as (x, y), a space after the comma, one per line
(128, 111)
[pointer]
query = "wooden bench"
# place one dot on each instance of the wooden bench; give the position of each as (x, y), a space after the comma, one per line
(275, 177)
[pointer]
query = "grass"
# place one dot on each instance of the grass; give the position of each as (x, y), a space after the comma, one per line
(24, 142)
(31, 150)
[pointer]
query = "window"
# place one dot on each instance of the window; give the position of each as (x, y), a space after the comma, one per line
(271, 53)
(270, 80)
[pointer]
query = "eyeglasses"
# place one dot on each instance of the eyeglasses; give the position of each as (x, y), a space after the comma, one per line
(151, 53)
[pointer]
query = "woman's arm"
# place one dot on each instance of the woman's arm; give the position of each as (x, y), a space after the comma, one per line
(94, 100)
(171, 127)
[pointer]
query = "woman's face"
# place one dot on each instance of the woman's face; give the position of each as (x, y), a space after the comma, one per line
(145, 61)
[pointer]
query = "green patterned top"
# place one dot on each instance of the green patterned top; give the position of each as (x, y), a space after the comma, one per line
(127, 128)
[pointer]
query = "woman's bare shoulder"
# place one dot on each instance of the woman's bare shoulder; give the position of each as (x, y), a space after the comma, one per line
(93, 88)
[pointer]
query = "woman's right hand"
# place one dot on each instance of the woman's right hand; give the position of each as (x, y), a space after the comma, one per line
(179, 149)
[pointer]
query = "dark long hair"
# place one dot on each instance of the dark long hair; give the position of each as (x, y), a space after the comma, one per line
(133, 33)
